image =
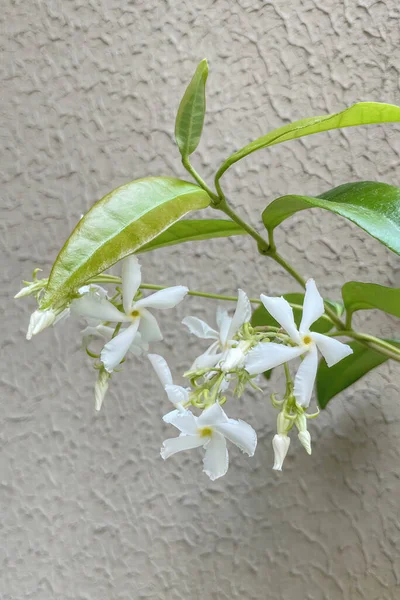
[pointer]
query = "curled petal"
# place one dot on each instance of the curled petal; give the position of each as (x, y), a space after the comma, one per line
(280, 309)
(177, 394)
(216, 460)
(115, 350)
(183, 442)
(200, 328)
(167, 298)
(131, 278)
(242, 314)
(208, 359)
(332, 350)
(149, 328)
(280, 444)
(214, 415)
(268, 355)
(313, 307)
(305, 378)
(161, 368)
(239, 433)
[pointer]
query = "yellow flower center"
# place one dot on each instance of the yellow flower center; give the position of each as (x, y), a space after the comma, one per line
(135, 313)
(307, 339)
(205, 432)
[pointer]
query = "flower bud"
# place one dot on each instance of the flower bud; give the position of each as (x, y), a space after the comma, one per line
(280, 444)
(39, 320)
(101, 387)
(305, 440)
(283, 423)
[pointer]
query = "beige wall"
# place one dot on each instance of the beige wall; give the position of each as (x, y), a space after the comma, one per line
(88, 509)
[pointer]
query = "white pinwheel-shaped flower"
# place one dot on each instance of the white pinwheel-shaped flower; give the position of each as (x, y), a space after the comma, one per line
(307, 343)
(136, 314)
(177, 394)
(210, 430)
(223, 338)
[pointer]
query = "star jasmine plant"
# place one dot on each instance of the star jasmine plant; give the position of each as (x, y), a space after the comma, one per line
(253, 337)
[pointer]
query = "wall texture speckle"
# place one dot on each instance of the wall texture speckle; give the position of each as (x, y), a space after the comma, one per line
(89, 511)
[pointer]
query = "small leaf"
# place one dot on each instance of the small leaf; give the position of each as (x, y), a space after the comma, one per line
(362, 113)
(375, 207)
(262, 317)
(118, 225)
(193, 230)
(190, 118)
(333, 380)
(366, 296)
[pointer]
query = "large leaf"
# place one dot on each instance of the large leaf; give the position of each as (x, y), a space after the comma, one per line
(190, 118)
(375, 207)
(362, 113)
(118, 225)
(192, 231)
(333, 380)
(262, 317)
(365, 296)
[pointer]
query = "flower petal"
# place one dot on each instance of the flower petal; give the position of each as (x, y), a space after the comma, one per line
(208, 359)
(332, 350)
(222, 315)
(149, 328)
(232, 359)
(176, 394)
(268, 355)
(131, 278)
(313, 307)
(186, 422)
(216, 460)
(93, 306)
(305, 378)
(224, 329)
(242, 314)
(183, 442)
(115, 350)
(167, 298)
(280, 309)
(239, 433)
(214, 415)
(200, 328)
(161, 368)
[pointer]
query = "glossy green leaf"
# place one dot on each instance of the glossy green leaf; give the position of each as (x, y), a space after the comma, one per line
(118, 225)
(362, 113)
(262, 317)
(366, 296)
(333, 380)
(192, 231)
(375, 207)
(190, 118)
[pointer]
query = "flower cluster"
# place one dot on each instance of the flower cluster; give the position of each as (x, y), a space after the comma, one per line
(238, 354)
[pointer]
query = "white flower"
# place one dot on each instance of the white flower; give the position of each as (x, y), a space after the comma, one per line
(105, 332)
(134, 313)
(227, 329)
(40, 319)
(280, 444)
(210, 430)
(269, 355)
(177, 394)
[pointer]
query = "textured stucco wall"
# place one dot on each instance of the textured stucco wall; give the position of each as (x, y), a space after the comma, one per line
(88, 509)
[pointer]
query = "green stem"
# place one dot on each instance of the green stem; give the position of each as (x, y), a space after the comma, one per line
(199, 179)
(225, 208)
(372, 342)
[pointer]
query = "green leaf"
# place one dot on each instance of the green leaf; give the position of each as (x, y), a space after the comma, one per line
(193, 230)
(333, 380)
(366, 296)
(375, 207)
(362, 113)
(262, 317)
(190, 118)
(118, 225)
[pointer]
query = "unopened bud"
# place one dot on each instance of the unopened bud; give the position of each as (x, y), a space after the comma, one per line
(305, 440)
(39, 320)
(101, 387)
(280, 444)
